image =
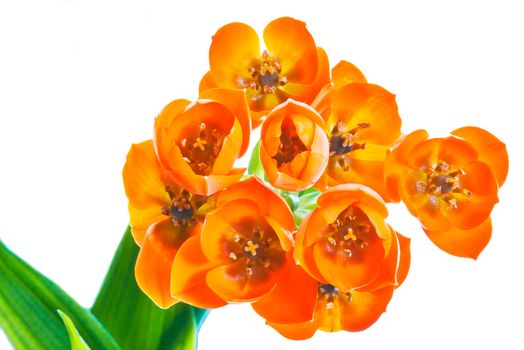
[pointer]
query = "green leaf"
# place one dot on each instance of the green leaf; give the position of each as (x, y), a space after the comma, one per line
(28, 304)
(77, 343)
(132, 318)
(255, 166)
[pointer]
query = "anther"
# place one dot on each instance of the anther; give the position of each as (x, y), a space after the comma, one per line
(332, 241)
(330, 305)
(236, 237)
(249, 271)
(251, 248)
(232, 256)
(348, 252)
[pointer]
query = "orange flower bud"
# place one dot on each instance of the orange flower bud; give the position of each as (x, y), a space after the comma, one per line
(292, 66)
(241, 254)
(450, 184)
(162, 217)
(198, 143)
(294, 146)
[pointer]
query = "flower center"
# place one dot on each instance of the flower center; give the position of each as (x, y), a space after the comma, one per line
(259, 248)
(331, 293)
(351, 233)
(265, 75)
(183, 206)
(290, 143)
(201, 150)
(343, 141)
(442, 184)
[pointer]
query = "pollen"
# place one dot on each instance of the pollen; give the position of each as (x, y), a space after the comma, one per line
(251, 248)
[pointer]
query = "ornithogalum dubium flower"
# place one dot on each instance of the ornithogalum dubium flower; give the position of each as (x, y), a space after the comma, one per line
(362, 122)
(290, 66)
(197, 143)
(294, 146)
(450, 184)
(162, 215)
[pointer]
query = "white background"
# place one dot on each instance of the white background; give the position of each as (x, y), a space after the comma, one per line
(82, 80)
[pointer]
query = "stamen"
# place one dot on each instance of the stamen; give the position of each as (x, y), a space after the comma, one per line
(251, 248)
(332, 241)
(249, 271)
(232, 256)
(236, 237)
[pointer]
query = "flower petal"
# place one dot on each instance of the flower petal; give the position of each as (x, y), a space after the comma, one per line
(270, 203)
(490, 149)
(293, 300)
(234, 283)
(463, 243)
(347, 273)
(370, 104)
(141, 219)
(293, 45)
(405, 258)
(144, 178)
(233, 50)
(207, 82)
(364, 309)
(188, 276)
(346, 73)
(154, 262)
(296, 331)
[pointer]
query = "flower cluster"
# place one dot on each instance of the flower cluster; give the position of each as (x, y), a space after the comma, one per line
(305, 240)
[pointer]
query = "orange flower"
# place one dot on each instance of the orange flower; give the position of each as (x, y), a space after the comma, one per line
(294, 146)
(162, 217)
(450, 184)
(242, 253)
(197, 143)
(362, 122)
(355, 309)
(345, 241)
(291, 67)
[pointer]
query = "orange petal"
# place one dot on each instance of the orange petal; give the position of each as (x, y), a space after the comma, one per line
(236, 102)
(364, 309)
(295, 297)
(229, 152)
(346, 73)
(457, 152)
(425, 153)
(308, 92)
(207, 82)
(163, 127)
(473, 210)
(367, 103)
(348, 273)
(234, 283)
(363, 194)
(270, 203)
(141, 219)
(144, 178)
(295, 331)
(405, 258)
(490, 149)
(215, 183)
(233, 50)
(463, 243)
(303, 253)
(396, 162)
(188, 276)
(154, 262)
(294, 47)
